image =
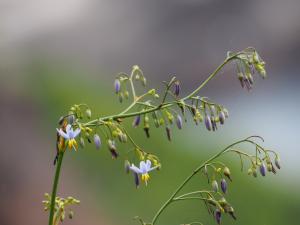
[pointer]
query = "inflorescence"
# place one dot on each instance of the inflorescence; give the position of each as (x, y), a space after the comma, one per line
(151, 110)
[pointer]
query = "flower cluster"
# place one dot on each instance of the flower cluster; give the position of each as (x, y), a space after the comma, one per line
(215, 169)
(247, 64)
(61, 204)
(168, 110)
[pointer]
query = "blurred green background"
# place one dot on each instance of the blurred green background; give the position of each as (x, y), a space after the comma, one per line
(55, 54)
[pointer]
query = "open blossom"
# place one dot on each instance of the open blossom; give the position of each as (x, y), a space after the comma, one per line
(69, 135)
(144, 169)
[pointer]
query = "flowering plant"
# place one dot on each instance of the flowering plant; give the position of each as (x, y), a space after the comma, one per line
(163, 112)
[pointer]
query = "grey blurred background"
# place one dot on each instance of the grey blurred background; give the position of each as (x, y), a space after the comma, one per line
(57, 53)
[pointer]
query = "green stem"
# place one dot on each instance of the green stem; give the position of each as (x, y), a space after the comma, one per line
(164, 206)
(54, 188)
(163, 105)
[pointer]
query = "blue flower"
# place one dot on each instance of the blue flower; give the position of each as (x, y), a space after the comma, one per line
(145, 168)
(69, 135)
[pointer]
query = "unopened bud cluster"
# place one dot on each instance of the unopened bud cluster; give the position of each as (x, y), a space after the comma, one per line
(248, 64)
(61, 207)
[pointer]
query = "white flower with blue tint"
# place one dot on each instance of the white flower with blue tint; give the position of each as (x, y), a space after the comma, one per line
(69, 136)
(145, 168)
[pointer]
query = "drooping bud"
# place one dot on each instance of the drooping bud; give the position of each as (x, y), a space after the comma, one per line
(277, 163)
(117, 86)
(168, 131)
(262, 169)
(193, 110)
(71, 214)
(250, 78)
(218, 215)
(121, 97)
(230, 211)
(97, 141)
(224, 185)
(144, 81)
(241, 79)
(177, 88)
(81, 142)
(213, 123)
(136, 180)
(250, 171)
(88, 113)
(221, 117)
(215, 186)
(208, 123)
(146, 126)
(126, 94)
(226, 172)
(247, 84)
(226, 112)
(127, 166)
(112, 148)
(179, 121)
(136, 121)
(269, 167)
(146, 129)
(71, 119)
(273, 170)
(254, 173)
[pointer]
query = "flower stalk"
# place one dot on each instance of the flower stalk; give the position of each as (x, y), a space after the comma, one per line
(55, 185)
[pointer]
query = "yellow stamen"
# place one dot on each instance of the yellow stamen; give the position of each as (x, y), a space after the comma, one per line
(72, 144)
(145, 177)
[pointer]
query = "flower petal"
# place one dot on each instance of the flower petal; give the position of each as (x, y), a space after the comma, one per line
(135, 169)
(62, 133)
(143, 167)
(68, 128)
(76, 132)
(148, 164)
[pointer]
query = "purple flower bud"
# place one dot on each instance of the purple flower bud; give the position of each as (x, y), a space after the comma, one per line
(136, 180)
(224, 185)
(247, 84)
(215, 186)
(218, 216)
(117, 85)
(277, 163)
(208, 122)
(222, 117)
(97, 141)
(136, 121)
(262, 169)
(177, 88)
(179, 122)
